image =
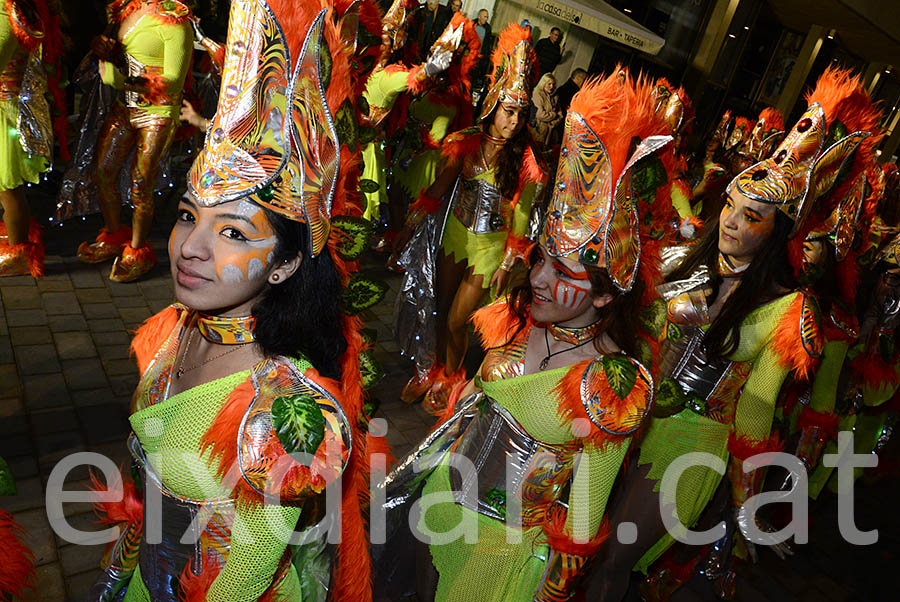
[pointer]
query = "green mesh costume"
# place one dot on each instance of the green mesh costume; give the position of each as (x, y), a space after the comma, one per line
(537, 411)
(742, 405)
(242, 547)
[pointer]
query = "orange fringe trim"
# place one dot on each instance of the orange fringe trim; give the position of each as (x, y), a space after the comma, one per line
(195, 587)
(827, 422)
(742, 447)
(152, 334)
(425, 204)
(16, 558)
(495, 323)
(787, 344)
(554, 528)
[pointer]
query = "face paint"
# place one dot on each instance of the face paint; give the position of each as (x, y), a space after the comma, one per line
(744, 227)
(568, 293)
(253, 249)
(561, 291)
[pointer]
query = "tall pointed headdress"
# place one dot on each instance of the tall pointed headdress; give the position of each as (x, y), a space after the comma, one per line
(669, 103)
(273, 138)
(765, 135)
(819, 151)
(514, 69)
(609, 207)
(393, 28)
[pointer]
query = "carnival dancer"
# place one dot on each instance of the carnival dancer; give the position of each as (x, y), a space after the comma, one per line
(562, 390)
(489, 182)
(735, 327)
(29, 38)
(147, 63)
(757, 144)
(257, 360)
(17, 560)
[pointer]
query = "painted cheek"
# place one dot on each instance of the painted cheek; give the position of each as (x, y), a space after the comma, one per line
(248, 265)
(568, 294)
(758, 232)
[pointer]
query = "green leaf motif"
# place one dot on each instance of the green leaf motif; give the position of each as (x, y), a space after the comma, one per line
(363, 293)
(649, 175)
(367, 134)
(673, 333)
(369, 335)
(355, 234)
(669, 394)
(654, 317)
(325, 63)
(496, 499)
(7, 483)
(370, 369)
(368, 186)
(621, 374)
(299, 423)
(346, 126)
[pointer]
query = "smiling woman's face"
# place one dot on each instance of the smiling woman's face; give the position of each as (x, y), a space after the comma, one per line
(561, 291)
(221, 256)
(745, 226)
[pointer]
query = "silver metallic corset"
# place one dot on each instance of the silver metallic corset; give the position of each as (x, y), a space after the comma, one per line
(189, 532)
(510, 468)
(685, 361)
(478, 206)
(136, 68)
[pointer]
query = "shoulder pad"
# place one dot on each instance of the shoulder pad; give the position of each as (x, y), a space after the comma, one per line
(616, 393)
(278, 421)
(173, 9)
(811, 326)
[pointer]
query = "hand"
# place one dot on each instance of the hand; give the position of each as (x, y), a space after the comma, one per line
(438, 62)
(189, 115)
(499, 281)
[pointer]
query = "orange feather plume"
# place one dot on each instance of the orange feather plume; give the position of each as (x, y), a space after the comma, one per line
(554, 528)
(152, 334)
(743, 447)
(788, 345)
(507, 41)
(773, 118)
(496, 324)
(195, 587)
(16, 559)
(129, 509)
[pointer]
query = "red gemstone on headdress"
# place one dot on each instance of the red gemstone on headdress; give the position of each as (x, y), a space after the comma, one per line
(780, 156)
(804, 124)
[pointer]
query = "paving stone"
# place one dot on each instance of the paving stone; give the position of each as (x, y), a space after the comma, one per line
(111, 338)
(38, 535)
(121, 302)
(25, 317)
(61, 303)
(10, 385)
(84, 374)
(45, 391)
(79, 585)
(6, 351)
(93, 295)
(99, 310)
(53, 421)
(18, 281)
(55, 446)
(67, 323)
(36, 359)
(123, 289)
(90, 397)
(56, 285)
(113, 352)
(4, 329)
(20, 297)
(104, 423)
(16, 424)
(30, 335)
(106, 325)
(85, 522)
(123, 385)
(120, 367)
(75, 345)
(14, 445)
(134, 314)
(78, 559)
(10, 406)
(85, 276)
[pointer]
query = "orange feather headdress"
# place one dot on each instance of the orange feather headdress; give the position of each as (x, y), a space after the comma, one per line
(825, 150)
(514, 72)
(610, 206)
(461, 38)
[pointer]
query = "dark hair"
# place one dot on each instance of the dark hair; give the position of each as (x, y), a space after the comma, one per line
(618, 318)
(576, 72)
(769, 275)
(556, 29)
(302, 316)
(510, 158)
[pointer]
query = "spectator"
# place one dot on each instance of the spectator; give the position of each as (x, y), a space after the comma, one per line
(455, 6)
(547, 114)
(549, 51)
(430, 22)
(483, 28)
(566, 91)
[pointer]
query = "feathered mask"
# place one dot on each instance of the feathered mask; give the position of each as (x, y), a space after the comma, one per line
(514, 70)
(818, 150)
(273, 138)
(611, 192)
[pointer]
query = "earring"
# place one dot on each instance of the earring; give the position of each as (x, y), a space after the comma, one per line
(276, 277)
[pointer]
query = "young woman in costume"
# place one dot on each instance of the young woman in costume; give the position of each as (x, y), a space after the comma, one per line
(257, 360)
(29, 35)
(147, 63)
(735, 327)
(490, 178)
(562, 390)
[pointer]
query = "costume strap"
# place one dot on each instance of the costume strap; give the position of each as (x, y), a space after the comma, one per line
(226, 330)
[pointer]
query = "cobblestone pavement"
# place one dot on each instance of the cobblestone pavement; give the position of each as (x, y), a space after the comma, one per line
(66, 381)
